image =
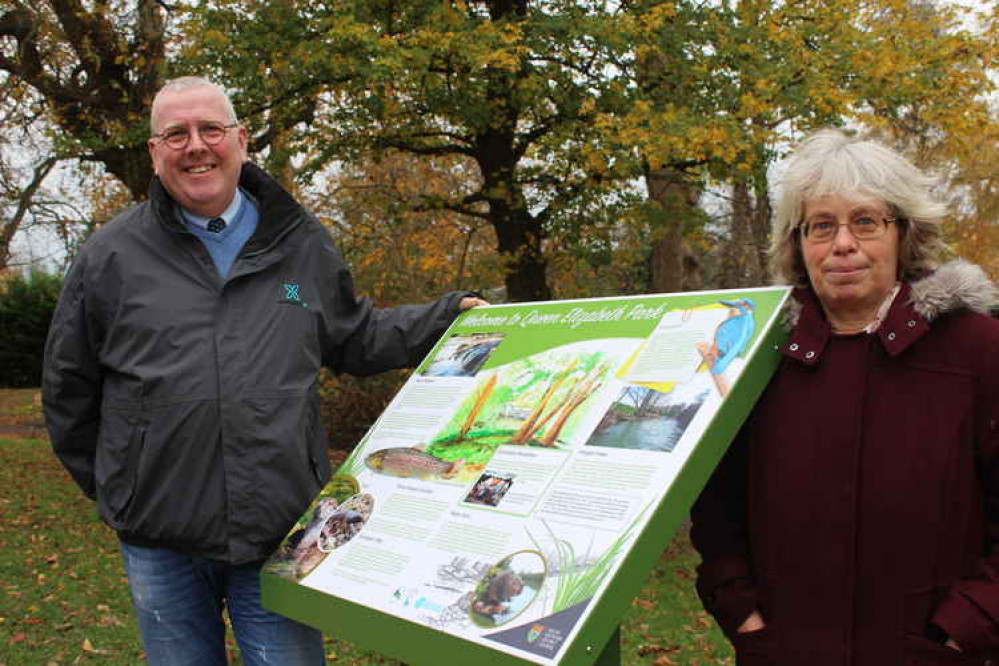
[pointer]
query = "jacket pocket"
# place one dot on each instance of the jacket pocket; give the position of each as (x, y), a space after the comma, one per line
(319, 457)
(116, 466)
(921, 651)
(753, 648)
(916, 647)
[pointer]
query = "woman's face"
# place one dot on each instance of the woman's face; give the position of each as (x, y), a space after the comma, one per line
(851, 277)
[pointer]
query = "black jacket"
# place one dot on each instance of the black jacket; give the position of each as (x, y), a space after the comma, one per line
(185, 403)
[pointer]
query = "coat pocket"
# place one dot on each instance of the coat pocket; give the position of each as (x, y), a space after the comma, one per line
(916, 647)
(921, 651)
(116, 466)
(753, 648)
(319, 456)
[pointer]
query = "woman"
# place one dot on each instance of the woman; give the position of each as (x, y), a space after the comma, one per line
(855, 520)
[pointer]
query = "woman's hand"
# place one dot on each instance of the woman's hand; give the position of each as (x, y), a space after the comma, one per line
(469, 302)
(754, 623)
(952, 645)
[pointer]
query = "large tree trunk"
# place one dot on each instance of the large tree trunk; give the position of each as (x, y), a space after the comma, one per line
(129, 164)
(519, 234)
(760, 225)
(673, 199)
(744, 257)
(519, 241)
(740, 266)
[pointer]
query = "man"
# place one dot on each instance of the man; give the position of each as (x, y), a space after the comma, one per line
(180, 379)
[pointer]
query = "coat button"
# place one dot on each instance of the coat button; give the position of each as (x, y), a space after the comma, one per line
(794, 346)
(810, 355)
(891, 336)
(912, 323)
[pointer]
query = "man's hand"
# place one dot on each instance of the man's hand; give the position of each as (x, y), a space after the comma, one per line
(470, 302)
(752, 623)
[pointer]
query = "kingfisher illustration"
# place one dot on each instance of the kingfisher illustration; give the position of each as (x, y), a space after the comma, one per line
(731, 339)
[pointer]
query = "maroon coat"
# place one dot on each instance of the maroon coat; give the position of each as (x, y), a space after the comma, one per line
(859, 508)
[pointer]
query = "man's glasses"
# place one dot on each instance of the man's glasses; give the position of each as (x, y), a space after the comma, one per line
(178, 137)
(863, 227)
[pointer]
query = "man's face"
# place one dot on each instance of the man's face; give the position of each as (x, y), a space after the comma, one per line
(200, 177)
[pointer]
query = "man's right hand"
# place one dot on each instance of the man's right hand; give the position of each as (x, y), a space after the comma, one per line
(752, 623)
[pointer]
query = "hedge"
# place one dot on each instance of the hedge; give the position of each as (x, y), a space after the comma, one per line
(26, 307)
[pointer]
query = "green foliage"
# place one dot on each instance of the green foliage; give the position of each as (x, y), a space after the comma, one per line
(514, 88)
(26, 307)
(548, 114)
(561, 107)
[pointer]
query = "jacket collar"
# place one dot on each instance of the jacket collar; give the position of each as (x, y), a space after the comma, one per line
(958, 285)
(279, 212)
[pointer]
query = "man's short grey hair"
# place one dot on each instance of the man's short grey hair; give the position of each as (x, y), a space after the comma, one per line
(186, 83)
(832, 162)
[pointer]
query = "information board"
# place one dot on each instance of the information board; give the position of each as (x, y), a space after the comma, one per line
(514, 495)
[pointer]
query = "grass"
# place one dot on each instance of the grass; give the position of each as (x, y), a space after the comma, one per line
(64, 598)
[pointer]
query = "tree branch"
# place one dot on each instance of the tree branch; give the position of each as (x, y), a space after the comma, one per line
(399, 143)
(11, 226)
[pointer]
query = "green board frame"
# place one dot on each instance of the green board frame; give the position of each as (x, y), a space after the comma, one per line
(597, 634)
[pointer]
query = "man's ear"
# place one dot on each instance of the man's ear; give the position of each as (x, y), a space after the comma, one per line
(242, 137)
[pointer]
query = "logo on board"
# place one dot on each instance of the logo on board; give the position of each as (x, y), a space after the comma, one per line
(534, 632)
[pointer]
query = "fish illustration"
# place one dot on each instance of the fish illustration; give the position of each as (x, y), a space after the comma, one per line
(407, 462)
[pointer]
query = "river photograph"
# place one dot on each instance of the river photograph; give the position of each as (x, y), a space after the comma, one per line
(645, 419)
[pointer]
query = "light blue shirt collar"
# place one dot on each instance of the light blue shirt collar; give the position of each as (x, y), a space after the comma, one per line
(228, 214)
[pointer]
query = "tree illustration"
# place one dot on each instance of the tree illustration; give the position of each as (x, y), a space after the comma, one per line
(533, 422)
(480, 400)
(584, 389)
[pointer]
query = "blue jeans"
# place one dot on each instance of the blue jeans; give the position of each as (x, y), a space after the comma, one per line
(179, 601)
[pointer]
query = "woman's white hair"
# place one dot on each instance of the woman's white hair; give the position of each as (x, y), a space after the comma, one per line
(832, 162)
(186, 83)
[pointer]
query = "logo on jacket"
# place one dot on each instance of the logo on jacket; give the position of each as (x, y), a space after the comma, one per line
(290, 294)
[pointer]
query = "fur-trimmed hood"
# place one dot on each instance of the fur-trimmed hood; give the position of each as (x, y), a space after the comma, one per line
(957, 285)
(954, 286)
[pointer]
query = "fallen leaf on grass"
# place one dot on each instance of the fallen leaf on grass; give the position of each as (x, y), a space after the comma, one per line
(110, 621)
(643, 603)
(664, 661)
(89, 647)
(17, 638)
(646, 650)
